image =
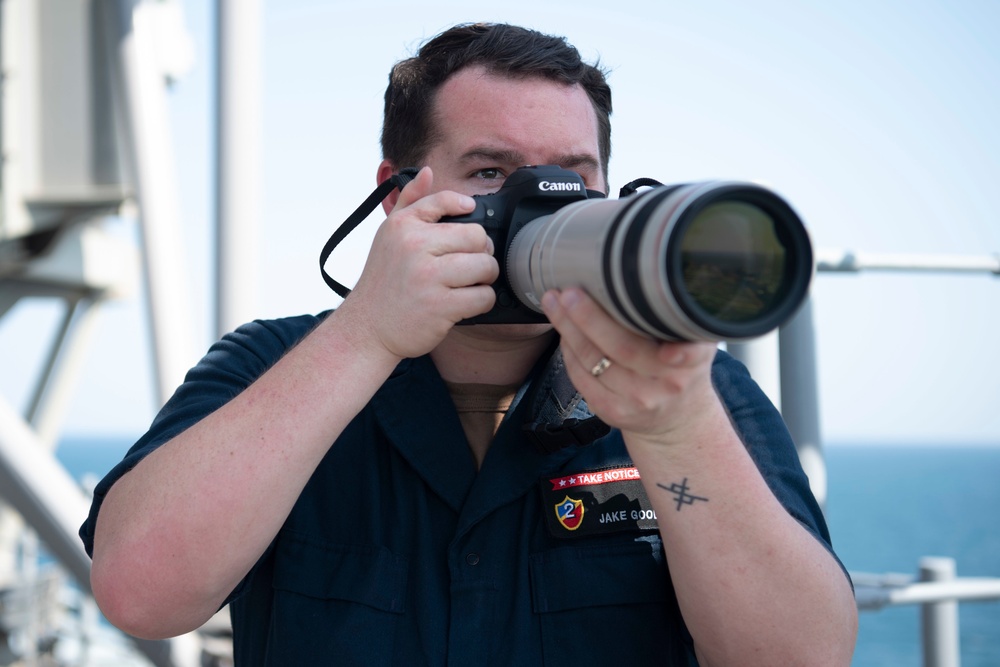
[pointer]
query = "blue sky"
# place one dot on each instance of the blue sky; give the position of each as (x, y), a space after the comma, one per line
(876, 120)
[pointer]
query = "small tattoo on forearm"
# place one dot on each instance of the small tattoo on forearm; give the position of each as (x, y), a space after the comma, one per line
(681, 495)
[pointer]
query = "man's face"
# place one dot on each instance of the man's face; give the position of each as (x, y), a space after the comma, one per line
(487, 126)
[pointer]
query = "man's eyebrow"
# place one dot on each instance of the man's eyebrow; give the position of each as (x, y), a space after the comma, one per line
(498, 155)
(577, 161)
(505, 156)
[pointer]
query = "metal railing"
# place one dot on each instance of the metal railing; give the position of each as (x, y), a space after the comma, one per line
(936, 588)
(853, 262)
(784, 365)
(938, 592)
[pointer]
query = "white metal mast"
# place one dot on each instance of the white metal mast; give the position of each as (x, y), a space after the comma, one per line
(238, 162)
(83, 87)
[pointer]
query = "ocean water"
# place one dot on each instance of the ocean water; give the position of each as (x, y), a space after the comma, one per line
(888, 506)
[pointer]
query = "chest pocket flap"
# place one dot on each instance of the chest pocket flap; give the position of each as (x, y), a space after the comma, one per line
(367, 574)
(609, 604)
(627, 573)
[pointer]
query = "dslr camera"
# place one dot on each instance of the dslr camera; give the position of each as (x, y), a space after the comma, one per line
(715, 260)
(710, 261)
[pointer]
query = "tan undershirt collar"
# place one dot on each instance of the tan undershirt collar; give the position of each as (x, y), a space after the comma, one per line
(481, 408)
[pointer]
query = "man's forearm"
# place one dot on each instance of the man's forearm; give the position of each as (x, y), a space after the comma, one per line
(754, 586)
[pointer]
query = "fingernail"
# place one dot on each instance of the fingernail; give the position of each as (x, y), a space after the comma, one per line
(570, 297)
(550, 302)
(467, 202)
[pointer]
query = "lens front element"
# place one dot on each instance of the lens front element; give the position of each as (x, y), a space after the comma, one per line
(732, 263)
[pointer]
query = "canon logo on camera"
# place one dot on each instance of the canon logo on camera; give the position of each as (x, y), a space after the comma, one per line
(548, 186)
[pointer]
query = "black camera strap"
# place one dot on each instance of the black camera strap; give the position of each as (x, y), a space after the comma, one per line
(367, 206)
(559, 414)
(632, 187)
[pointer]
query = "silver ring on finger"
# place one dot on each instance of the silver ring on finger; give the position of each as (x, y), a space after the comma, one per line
(601, 366)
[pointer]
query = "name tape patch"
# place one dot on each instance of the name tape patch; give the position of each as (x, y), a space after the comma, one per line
(595, 502)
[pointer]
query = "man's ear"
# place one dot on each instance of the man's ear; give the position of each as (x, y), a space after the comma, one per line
(385, 170)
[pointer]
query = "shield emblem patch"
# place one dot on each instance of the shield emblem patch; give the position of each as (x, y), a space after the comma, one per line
(569, 512)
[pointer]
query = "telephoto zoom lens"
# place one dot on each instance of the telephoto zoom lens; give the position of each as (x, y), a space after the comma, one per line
(709, 261)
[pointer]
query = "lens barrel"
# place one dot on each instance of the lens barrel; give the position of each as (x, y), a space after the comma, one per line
(716, 260)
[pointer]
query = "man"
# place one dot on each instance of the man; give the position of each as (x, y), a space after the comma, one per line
(343, 483)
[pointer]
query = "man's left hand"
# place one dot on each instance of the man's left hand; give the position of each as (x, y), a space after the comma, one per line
(651, 390)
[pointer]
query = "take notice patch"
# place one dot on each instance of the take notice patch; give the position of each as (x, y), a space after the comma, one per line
(594, 502)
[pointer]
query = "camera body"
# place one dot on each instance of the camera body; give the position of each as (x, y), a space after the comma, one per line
(527, 194)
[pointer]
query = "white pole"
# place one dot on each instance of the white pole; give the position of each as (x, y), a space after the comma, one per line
(139, 87)
(760, 356)
(39, 488)
(238, 170)
(800, 396)
(63, 368)
(939, 620)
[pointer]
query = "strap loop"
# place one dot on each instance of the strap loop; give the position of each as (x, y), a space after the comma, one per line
(632, 187)
(551, 438)
(559, 417)
(367, 206)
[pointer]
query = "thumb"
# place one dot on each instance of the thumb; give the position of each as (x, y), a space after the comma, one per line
(421, 186)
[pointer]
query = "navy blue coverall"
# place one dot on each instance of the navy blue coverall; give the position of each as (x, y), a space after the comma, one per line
(400, 552)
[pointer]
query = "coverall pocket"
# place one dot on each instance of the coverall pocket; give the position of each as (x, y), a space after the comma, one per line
(607, 604)
(338, 602)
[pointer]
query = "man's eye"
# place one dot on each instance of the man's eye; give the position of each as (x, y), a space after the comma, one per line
(489, 174)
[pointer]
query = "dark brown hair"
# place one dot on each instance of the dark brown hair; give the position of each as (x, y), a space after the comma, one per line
(408, 130)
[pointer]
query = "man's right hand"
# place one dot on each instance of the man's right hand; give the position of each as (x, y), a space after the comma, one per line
(423, 276)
